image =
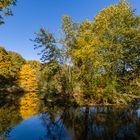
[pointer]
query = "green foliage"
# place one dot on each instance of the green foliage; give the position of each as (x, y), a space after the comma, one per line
(4, 62)
(47, 43)
(103, 53)
(93, 62)
(9, 117)
(69, 28)
(16, 61)
(16, 73)
(106, 52)
(10, 64)
(53, 72)
(34, 64)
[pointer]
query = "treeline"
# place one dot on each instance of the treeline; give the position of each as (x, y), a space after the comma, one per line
(17, 74)
(95, 62)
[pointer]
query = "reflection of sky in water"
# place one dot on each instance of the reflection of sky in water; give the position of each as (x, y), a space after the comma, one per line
(30, 129)
(34, 129)
(94, 122)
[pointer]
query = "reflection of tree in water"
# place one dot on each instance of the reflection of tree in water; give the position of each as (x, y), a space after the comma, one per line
(73, 123)
(93, 123)
(9, 117)
(125, 123)
(29, 105)
(52, 121)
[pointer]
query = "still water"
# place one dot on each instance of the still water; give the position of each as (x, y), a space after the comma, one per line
(30, 119)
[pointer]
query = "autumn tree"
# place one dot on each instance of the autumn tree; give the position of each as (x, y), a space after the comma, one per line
(27, 78)
(5, 8)
(10, 64)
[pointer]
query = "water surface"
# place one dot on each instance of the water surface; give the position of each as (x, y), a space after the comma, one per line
(33, 120)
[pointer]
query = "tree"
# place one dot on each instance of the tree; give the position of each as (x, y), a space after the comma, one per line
(104, 54)
(5, 8)
(34, 64)
(16, 61)
(50, 56)
(106, 51)
(69, 29)
(119, 45)
(45, 40)
(4, 63)
(27, 78)
(54, 74)
(10, 64)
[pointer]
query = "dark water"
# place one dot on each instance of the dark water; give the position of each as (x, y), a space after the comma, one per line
(33, 120)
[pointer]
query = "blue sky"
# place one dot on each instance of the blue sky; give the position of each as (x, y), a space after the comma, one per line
(30, 15)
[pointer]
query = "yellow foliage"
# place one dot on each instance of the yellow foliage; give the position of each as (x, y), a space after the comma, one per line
(4, 4)
(27, 78)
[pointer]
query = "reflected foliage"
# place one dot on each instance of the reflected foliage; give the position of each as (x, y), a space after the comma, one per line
(9, 118)
(17, 110)
(93, 123)
(79, 123)
(29, 105)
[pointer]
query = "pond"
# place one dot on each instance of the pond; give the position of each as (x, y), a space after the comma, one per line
(31, 119)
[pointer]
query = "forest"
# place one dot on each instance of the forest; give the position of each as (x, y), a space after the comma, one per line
(92, 62)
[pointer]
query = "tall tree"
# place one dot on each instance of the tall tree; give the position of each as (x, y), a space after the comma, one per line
(106, 50)
(27, 78)
(50, 57)
(47, 43)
